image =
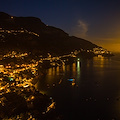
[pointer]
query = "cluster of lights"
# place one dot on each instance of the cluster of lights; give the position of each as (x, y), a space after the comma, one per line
(100, 51)
(15, 54)
(17, 31)
(14, 80)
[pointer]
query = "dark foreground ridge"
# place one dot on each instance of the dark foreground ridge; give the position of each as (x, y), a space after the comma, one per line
(28, 33)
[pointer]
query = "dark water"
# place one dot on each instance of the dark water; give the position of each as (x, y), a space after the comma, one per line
(96, 93)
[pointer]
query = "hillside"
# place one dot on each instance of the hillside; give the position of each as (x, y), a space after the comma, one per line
(30, 33)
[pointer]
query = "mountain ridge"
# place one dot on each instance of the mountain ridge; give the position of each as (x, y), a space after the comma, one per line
(49, 39)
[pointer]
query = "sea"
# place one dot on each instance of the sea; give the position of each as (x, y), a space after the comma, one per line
(88, 89)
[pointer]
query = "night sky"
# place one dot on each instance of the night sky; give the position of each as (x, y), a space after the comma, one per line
(95, 20)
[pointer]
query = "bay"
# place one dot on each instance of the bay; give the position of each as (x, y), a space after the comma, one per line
(95, 94)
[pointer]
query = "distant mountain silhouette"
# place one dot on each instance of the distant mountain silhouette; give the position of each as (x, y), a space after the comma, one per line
(49, 39)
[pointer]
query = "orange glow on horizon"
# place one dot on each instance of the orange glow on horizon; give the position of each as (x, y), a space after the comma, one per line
(114, 47)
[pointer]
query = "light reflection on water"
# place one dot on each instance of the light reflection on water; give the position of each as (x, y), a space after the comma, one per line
(95, 94)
